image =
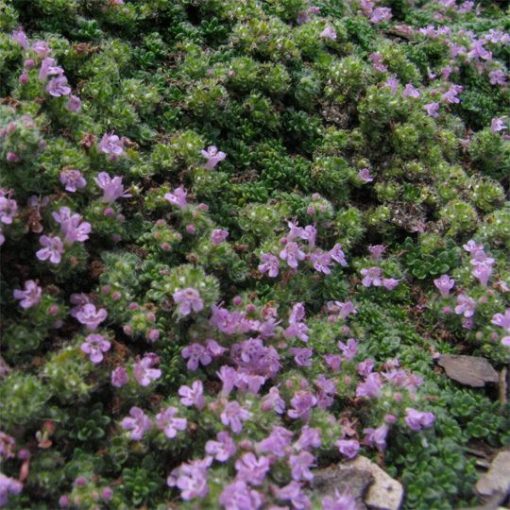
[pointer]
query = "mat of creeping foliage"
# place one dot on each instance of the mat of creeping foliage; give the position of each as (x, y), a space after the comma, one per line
(237, 236)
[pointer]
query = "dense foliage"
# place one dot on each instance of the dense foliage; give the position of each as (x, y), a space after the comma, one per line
(237, 235)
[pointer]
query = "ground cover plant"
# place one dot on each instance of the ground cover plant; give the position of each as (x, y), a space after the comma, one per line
(237, 236)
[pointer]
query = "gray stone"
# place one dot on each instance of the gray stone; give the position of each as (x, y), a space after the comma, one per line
(469, 370)
(497, 479)
(339, 478)
(385, 493)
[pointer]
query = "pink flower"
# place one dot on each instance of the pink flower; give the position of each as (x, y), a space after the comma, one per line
(74, 104)
(188, 300)
(269, 264)
(119, 377)
(144, 372)
(72, 180)
(411, 91)
(177, 197)
(169, 423)
(444, 284)
(30, 296)
(193, 396)
(112, 145)
(138, 423)
(218, 235)
(223, 448)
(213, 156)
(234, 415)
(112, 187)
(94, 346)
(497, 124)
(292, 254)
(328, 33)
(58, 87)
(418, 420)
(365, 175)
(349, 448)
(89, 316)
(432, 109)
(52, 249)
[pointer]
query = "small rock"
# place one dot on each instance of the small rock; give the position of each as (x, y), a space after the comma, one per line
(339, 478)
(469, 370)
(385, 493)
(497, 479)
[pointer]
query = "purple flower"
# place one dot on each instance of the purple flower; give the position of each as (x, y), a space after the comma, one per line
(58, 87)
(450, 96)
(52, 249)
(381, 14)
(41, 48)
(191, 479)
(366, 367)
(49, 68)
(71, 225)
(119, 377)
(139, 423)
(218, 235)
(30, 296)
(196, 354)
(239, 496)
(143, 369)
(73, 104)
(193, 396)
(223, 448)
(302, 403)
(465, 306)
(277, 443)
(392, 83)
(338, 255)
(112, 145)
(350, 349)
(444, 284)
(418, 420)
(349, 448)
(377, 62)
(339, 502)
(339, 310)
(234, 415)
(273, 401)
(90, 317)
(377, 437)
(294, 493)
(478, 51)
(328, 33)
(177, 197)
(300, 466)
(213, 156)
(310, 438)
(8, 486)
(497, 124)
(502, 320)
(8, 210)
(482, 270)
(365, 175)
(269, 264)
(188, 300)
(372, 276)
(432, 109)
(72, 180)
(21, 38)
(411, 91)
(371, 387)
(292, 254)
(302, 356)
(498, 77)
(321, 261)
(390, 283)
(169, 423)
(94, 346)
(7, 446)
(252, 469)
(112, 188)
